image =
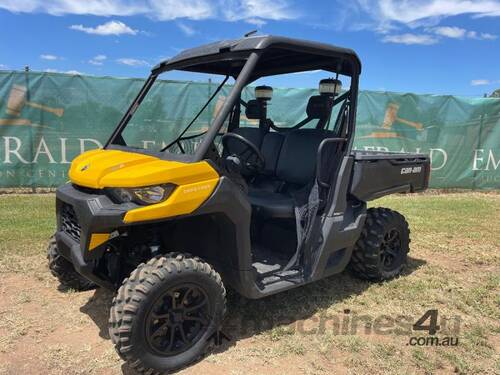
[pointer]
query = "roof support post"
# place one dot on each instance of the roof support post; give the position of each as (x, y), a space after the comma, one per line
(241, 81)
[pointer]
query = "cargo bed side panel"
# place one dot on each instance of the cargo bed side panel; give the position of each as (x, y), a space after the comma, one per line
(378, 174)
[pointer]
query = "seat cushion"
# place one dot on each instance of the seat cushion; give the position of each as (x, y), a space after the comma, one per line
(265, 183)
(275, 205)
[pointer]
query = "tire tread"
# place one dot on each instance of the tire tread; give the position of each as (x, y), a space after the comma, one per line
(365, 257)
(137, 286)
(64, 271)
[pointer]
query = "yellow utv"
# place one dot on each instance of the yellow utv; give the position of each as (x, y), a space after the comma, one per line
(228, 198)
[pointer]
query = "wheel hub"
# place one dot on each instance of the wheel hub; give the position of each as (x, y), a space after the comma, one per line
(177, 320)
(390, 249)
(177, 316)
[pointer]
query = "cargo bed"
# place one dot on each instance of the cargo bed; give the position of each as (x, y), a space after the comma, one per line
(378, 173)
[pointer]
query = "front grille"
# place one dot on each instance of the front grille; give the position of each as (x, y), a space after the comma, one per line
(69, 222)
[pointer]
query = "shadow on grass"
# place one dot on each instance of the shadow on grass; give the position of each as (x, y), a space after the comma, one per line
(247, 318)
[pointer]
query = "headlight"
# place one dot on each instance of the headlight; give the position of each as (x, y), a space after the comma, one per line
(144, 195)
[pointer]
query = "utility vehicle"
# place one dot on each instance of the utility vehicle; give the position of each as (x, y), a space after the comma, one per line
(259, 209)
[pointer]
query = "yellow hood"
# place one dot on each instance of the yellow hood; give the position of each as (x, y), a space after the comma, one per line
(113, 168)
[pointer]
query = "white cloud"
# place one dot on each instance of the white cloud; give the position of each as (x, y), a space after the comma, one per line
(411, 11)
(164, 10)
(132, 62)
(483, 82)
(256, 21)
(488, 36)
(3, 66)
(481, 36)
(186, 29)
(98, 60)
(450, 31)
(459, 33)
(50, 57)
(60, 7)
(409, 38)
(73, 72)
(480, 82)
(394, 18)
(252, 9)
(108, 28)
(388, 16)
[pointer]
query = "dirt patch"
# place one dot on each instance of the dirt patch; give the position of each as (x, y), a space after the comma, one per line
(52, 331)
(454, 267)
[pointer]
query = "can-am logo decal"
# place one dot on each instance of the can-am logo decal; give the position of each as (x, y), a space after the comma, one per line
(409, 170)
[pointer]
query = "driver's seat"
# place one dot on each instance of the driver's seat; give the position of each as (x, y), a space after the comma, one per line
(295, 171)
(272, 205)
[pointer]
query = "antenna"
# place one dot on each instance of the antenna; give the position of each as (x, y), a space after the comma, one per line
(250, 33)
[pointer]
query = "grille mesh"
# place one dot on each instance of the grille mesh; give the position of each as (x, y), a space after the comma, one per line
(69, 222)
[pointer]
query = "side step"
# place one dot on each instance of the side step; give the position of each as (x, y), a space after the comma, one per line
(264, 269)
(289, 275)
(268, 266)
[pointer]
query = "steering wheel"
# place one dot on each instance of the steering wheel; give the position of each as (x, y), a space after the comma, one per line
(252, 159)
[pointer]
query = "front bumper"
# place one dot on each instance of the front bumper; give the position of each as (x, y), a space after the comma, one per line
(93, 213)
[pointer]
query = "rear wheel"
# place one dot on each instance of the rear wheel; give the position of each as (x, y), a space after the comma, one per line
(165, 314)
(381, 251)
(61, 268)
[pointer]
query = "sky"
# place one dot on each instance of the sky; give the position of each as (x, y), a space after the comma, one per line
(426, 46)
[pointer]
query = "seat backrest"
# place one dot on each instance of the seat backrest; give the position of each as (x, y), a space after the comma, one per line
(291, 156)
(319, 107)
(254, 135)
(269, 144)
(297, 159)
(270, 148)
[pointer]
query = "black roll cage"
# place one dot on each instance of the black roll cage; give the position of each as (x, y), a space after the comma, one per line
(241, 65)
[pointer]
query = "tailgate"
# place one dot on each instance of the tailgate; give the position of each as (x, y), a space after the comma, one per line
(377, 174)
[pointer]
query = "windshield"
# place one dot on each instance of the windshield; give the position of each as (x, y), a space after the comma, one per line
(174, 116)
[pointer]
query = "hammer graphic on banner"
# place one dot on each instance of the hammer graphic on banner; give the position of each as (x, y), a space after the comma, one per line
(17, 100)
(391, 116)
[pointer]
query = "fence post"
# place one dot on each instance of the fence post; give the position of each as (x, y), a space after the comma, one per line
(28, 98)
(479, 141)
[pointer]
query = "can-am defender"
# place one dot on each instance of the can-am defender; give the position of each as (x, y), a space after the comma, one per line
(258, 209)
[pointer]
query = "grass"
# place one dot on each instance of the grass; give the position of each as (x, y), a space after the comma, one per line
(26, 224)
(454, 267)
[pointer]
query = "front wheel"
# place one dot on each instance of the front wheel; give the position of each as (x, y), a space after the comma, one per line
(381, 251)
(165, 314)
(61, 268)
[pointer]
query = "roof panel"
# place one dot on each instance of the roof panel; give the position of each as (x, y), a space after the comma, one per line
(300, 55)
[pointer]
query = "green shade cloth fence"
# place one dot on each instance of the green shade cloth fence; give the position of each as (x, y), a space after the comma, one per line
(46, 119)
